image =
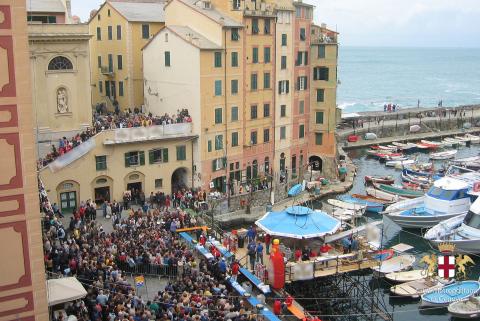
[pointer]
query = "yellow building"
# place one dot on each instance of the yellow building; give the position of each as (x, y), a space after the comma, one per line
(119, 30)
(148, 159)
(23, 294)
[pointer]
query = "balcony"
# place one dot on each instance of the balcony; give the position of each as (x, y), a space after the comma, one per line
(107, 71)
(324, 39)
(261, 9)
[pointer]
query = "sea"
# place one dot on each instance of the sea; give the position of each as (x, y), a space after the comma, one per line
(370, 77)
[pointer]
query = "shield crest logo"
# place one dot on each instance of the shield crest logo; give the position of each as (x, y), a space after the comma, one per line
(446, 266)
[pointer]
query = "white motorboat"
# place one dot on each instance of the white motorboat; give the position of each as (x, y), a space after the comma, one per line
(473, 138)
(447, 198)
(395, 264)
(345, 215)
(383, 195)
(395, 163)
(453, 141)
(462, 138)
(462, 230)
(467, 309)
(407, 276)
(428, 142)
(347, 206)
(443, 155)
(414, 289)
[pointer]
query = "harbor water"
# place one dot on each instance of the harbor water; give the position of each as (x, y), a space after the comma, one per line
(405, 309)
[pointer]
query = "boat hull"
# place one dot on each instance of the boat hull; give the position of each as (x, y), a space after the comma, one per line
(451, 293)
(420, 221)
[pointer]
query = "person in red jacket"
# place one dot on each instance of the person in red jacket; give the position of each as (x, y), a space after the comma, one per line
(277, 307)
(298, 255)
(235, 269)
(268, 241)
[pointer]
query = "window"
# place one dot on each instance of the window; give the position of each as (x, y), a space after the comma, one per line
(235, 139)
(99, 33)
(167, 58)
(234, 59)
(318, 138)
(218, 115)
(218, 142)
(321, 51)
(209, 146)
(120, 88)
(266, 55)
(284, 39)
(157, 156)
(218, 59)
(99, 60)
(253, 112)
(119, 32)
(283, 110)
(253, 137)
(284, 62)
(298, 12)
(101, 163)
(134, 159)
(234, 85)
(319, 117)
(99, 17)
(283, 132)
(110, 63)
(253, 82)
(181, 153)
(218, 87)
(266, 80)
(166, 37)
(267, 26)
(302, 58)
(266, 135)
(119, 62)
(255, 55)
(158, 183)
(302, 83)
(236, 4)
(60, 63)
(320, 73)
(145, 31)
(266, 110)
(283, 86)
(110, 32)
(320, 95)
(301, 131)
(100, 87)
(219, 163)
(235, 35)
(108, 12)
(301, 107)
(255, 26)
(234, 113)
(302, 34)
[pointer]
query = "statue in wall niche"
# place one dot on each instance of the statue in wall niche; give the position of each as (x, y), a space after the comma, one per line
(62, 101)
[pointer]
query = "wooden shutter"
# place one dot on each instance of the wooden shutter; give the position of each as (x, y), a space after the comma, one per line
(141, 155)
(150, 157)
(127, 159)
(165, 155)
(288, 86)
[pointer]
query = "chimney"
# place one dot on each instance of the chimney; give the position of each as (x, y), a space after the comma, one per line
(68, 13)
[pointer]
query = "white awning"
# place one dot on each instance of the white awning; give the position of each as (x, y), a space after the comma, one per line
(350, 115)
(64, 290)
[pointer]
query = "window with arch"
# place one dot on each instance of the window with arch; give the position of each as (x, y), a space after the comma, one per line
(60, 63)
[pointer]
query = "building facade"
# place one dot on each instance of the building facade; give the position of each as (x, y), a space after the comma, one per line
(247, 81)
(147, 159)
(23, 294)
(119, 30)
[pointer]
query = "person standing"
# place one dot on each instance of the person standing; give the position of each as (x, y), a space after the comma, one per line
(259, 253)
(268, 241)
(251, 254)
(235, 269)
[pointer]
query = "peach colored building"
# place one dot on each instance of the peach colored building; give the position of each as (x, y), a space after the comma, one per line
(23, 293)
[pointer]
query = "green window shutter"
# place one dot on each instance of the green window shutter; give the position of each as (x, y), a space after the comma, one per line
(306, 57)
(320, 95)
(167, 58)
(319, 117)
(209, 145)
(288, 86)
(165, 155)
(266, 80)
(321, 51)
(127, 159)
(284, 39)
(218, 87)
(255, 55)
(214, 165)
(218, 115)
(266, 54)
(234, 59)
(218, 59)
(150, 157)
(142, 157)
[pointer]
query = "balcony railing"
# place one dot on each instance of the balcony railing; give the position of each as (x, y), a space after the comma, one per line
(107, 71)
(156, 132)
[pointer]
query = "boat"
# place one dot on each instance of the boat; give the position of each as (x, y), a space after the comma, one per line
(412, 186)
(463, 231)
(419, 180)
(370, 199)
(375, 207)
(395, 264)
(454, 142)
(444, 155)
(473, 139)
(414, 289)
(380, 179)
(383, 195)
(466, 309)
(394, 163)
(345, 215)
(347, 206)
(451, 293)
(431, 143)
(398, 191)
(447, 198)
(462, 138)
(400, 157)
(383, 148)
(383, 255)
(407, 276)
(407, 148)
(414, 172)
(465, 161)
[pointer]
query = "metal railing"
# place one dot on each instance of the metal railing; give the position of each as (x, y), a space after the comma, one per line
(170, 271)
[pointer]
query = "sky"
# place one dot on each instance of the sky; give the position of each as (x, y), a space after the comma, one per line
(389, 23)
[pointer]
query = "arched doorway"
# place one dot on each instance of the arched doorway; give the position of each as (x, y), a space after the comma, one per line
(68, 195)
(102, 189)
(135, 184)
(316, 163)
(179, 179)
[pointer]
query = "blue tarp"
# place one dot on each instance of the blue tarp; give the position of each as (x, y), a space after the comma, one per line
(299, 223)
(295, 190)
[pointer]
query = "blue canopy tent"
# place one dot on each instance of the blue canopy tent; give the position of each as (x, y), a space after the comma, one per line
(298, 222)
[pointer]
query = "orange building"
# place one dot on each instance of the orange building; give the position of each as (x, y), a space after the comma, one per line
(22, 276)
